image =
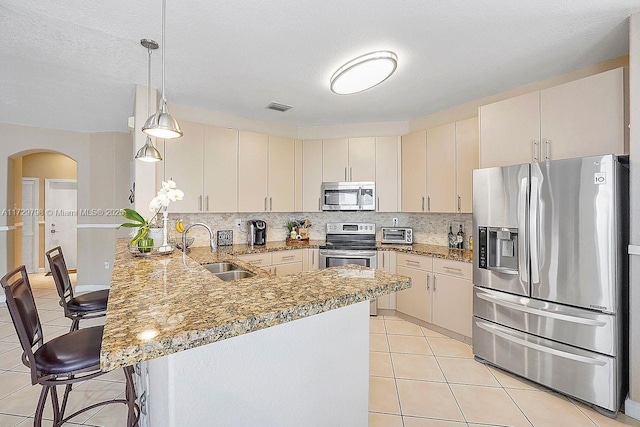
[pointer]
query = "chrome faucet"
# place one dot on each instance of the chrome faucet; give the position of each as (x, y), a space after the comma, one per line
(212, 240)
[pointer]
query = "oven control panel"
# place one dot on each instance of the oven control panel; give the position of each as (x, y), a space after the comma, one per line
(351, 228)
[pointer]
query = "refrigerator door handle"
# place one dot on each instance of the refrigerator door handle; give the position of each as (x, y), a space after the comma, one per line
(496, 331)
(522, 218)
(533, 230)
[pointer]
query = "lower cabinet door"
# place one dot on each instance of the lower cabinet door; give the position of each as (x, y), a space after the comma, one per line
(415, 301)
(284, 269)
(452, 303)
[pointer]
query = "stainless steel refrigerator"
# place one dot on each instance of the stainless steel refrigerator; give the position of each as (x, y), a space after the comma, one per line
(550, 274)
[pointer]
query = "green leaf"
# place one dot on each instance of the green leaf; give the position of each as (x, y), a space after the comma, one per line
(133, 215)
(129, 225)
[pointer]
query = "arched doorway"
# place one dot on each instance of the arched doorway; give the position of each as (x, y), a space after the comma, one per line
(45, 203)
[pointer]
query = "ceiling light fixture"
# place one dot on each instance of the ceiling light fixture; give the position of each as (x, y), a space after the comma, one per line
(161, 124)
(364, 72)
(149, 153)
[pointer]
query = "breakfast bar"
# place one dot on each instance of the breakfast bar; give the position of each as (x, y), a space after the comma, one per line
(265, 350)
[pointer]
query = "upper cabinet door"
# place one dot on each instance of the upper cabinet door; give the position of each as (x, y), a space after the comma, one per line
(311, 175)
(584, 117)
(335, 160)
(362, 159)
(220, 169)
(183, 163)
(466, 161)
(297, 199)
(252, 171)
(387, 174)
(510, 131)
(414, 172)
(281, 175)
(441, 169)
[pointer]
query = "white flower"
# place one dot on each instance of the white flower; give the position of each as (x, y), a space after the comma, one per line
(175, 195)
(168, 185)
(167, 194)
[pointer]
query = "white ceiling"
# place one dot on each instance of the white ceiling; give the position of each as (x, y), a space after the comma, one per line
(73, 64)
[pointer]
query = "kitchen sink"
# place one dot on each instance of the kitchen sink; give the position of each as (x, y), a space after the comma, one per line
(234, 275)
(220, 267)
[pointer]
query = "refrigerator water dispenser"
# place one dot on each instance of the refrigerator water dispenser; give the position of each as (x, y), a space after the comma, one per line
(498, 249)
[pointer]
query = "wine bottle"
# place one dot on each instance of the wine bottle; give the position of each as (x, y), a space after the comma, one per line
(452, 239)
(460, 238)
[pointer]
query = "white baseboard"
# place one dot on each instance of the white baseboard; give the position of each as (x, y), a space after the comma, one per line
(632, 408)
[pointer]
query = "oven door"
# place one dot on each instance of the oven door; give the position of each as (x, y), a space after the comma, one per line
(336, 258)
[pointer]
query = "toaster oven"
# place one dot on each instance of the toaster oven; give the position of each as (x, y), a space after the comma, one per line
(397, 235)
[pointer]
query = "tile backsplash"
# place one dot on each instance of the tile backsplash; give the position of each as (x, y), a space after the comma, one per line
(431, 228)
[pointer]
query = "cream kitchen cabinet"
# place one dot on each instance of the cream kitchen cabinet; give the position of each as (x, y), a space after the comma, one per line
(414, 171)
(203, 163)
(415, 301)
(297, 203)
(387, 262)
(279, 263)
(580, 118)
(441, 169)
(387, 176)
(311, 175)
(466, 161)
(349, 159)
(452, 295)
(266, 174)
(310, 259)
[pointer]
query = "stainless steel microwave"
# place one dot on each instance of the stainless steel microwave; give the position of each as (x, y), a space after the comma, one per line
(348, 196)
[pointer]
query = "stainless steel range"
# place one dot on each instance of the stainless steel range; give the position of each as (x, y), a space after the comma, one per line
(350, 243)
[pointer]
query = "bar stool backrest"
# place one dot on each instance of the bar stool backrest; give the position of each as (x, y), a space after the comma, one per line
(60, 275)
(22, 308)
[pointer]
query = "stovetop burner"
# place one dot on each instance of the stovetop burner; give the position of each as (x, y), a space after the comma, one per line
(352, 236)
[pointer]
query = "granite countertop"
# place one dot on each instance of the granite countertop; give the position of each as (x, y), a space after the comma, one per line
(162, 305)
(437, 251)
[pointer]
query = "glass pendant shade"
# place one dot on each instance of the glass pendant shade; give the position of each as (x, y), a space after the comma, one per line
(148, 153)
(162, 125)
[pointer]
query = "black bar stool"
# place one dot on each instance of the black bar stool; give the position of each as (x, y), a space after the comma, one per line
(83, 306)
(65, 360)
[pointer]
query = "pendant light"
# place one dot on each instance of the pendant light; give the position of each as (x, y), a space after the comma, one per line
(149, 153)
(161, 124)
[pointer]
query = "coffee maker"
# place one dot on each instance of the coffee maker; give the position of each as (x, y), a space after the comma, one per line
(257, 232)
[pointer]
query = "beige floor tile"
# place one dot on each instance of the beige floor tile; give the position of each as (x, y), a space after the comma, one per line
(89, 393)
(409, 344)
(380, 365)
(428, 399)
(449, 347)
(115, 375)
(23, 402)
(509, 380)
(383, 396)
(604, 421)
(384, 420)
(402, 327)
(47, 316)
(416, 367)
(10, 382)
(7, 346)
(430, 422)
(491, 405)
(432, 334)
(110, 416)
(376, 326)
(466, 371)
(11, 358)
(13, 420)
(391, 318)
(483, 425)
(557, 409)
(378, 342)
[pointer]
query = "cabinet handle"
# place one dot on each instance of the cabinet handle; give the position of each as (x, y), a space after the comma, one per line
(459, 270)
(536, 146)
(319, 204)
(350, 174)
(200, 203)
(270, 203)
(207, 202)
(547, 145)
(428, 279)
(378, 208)
(409, 261)
(434, 283)
(288, 257)
(275, 270)
(265, 204)
(422, 203)
(345, 174)
(459, 203)
(428, 203)
(313, 258)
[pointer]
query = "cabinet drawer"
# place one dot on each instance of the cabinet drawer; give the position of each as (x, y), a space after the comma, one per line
(281, 257)
(453, 268)
(257, 259)
(415, 261)
(284, 269)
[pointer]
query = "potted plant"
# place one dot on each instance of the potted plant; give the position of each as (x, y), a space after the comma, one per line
(167, 194)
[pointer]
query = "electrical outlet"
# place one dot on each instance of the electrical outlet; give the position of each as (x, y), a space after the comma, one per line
(106, 265)
(395, 222)
(238, 222)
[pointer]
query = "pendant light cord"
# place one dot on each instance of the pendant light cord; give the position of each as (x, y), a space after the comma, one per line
(164, 7)
(149, 84)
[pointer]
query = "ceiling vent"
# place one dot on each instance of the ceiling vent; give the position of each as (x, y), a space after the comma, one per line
(279, 107)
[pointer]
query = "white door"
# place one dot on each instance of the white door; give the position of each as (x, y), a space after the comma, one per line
(61, 202)
(30, 240)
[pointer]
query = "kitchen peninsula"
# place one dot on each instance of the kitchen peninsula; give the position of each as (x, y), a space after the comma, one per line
(267, 350)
